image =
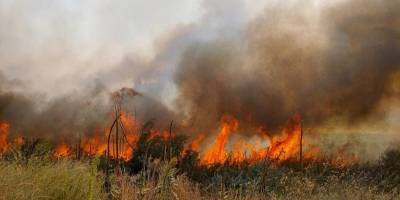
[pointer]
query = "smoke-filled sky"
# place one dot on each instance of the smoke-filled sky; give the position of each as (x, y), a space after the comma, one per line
(260, 61)
(58, 46)
(58, 58)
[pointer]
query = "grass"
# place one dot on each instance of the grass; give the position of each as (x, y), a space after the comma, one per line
(295, 188)
(67, 179)
(38, 175)
(55, 180)
(248, 182)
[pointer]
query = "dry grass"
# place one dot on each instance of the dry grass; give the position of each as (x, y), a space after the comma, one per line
(300, 189)
(290, 186)
(75, 180)
(40, 176)
(56, 180)
(182, 189)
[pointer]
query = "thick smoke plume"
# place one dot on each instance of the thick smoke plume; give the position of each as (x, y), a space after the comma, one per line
(336, 62)
(72, 116)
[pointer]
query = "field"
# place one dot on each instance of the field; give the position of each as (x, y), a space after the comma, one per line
(33, 172)
(199, 99)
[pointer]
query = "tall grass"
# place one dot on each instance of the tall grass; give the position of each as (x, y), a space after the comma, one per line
(49, 180)
(68, 179)
(294, 188)
(32, 173)
(314, 182)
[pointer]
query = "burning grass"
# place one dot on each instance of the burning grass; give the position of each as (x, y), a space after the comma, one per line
(39, 174)
(226, 141)
(147, 163)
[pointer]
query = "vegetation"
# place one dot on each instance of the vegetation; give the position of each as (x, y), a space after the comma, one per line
(31, 172)
(56, 180)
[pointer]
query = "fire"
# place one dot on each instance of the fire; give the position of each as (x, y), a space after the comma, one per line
(4, 128)
(96, 144)
(287, 147)
(62, 150)
(282, 147)
(195, 144)
(228, 146)
(217, 153)
(4, 133)
(19, 140)
(131, 127)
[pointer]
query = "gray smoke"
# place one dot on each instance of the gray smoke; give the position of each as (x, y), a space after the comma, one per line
(332, 63)
(74, 115)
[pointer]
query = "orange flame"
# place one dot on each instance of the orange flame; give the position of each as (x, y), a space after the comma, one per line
(19, 140)
(288, 146)
(97, 143)
(4, 128)
(217, 153)
(227, 147)
(281, 148)
(62, 150)
(196, 142)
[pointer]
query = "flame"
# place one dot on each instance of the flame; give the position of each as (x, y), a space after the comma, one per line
(19, 140)
(131, 127)
(196, 142)
(4, 133)
(62, 150)
(228, 145)
(217, 153)
(281, 148)
(96, 144)
(4, 128)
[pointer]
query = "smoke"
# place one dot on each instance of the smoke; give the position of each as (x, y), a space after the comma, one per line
(49, 44)
(74, 115)
(61, 61)
(324, 63)
(333, 63)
